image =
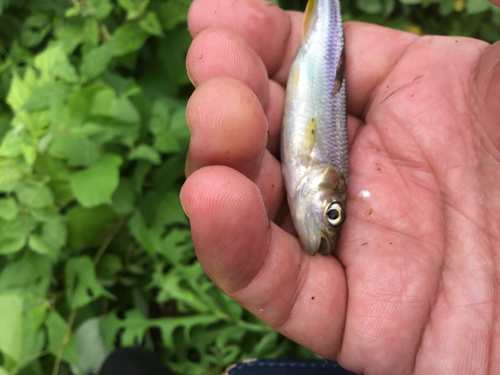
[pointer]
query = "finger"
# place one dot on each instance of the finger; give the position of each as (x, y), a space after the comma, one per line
(264, 26)
(372, 51)
(229, 127)
(221, 52)
(214, 46)
(261, 266)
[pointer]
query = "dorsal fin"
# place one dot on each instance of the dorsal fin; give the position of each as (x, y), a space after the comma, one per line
(311, 4)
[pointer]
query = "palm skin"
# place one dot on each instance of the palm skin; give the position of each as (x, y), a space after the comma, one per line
(413, 286)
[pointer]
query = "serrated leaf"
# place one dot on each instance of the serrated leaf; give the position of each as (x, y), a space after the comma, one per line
(8, 208)
(95, 185)
(134, 8)
(129, 38)
(145, 152)
(53, 63)
(87, 224)
(169, 325)
(35, 194)
(83, 286)
(19, 91)
(150, 24)
(96, 61)
(11, 329)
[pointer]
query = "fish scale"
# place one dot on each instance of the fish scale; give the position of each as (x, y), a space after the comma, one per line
(314, 131)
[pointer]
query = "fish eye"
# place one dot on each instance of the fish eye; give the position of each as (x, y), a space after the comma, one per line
(335, 214)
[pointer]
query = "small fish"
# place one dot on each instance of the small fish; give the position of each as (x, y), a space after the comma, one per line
(314, 131)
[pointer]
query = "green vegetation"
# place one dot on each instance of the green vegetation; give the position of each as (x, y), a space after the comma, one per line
(95, 249)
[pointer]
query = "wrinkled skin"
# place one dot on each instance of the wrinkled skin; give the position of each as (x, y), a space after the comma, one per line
(413, 286)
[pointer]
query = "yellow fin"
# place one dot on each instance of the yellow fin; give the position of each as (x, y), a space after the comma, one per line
(311, 4)
(310, 136)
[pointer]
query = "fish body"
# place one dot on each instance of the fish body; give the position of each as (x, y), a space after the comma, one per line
(314, 130)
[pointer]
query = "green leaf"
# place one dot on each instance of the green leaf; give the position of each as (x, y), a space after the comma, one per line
(53, 63)
(8, 208)
(35, 29)
(109, 266)
(11, 172)
(96, 61)
(95, 185)
(141, 232)
(173, 13)
(150, 24)
(134, 8)
(477, 6)
(170, 210)
(35, 194)
(160, 115)
(145, 152)
(20, 90)
(11, 313)
(167, 143)
(179, 125)
(83, 286)
(80, 150)
(371, 6)
(105, 103)
(14, 233)
(69, 36)
(129, 38)
(60, 340)
(54, 234)
(87, 224)
(31, 273)
(10, 244)
(124, 197)
(13, 141)
(42, 97)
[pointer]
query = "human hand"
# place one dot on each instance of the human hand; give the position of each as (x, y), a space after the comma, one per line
(413, 287)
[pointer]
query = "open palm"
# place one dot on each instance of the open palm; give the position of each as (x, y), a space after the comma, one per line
(414, 286)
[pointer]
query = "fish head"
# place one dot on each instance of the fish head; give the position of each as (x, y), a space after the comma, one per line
(320, 209)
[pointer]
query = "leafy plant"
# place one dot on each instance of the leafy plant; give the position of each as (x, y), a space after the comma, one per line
(95, 250)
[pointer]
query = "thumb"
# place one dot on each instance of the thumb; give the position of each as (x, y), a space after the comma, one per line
(486, 93)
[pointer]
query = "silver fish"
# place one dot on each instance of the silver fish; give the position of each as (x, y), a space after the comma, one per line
(314, 130)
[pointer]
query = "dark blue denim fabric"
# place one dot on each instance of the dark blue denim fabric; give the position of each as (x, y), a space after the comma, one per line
(288, 367)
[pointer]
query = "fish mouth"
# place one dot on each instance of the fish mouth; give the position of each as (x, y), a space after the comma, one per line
(325, 247)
